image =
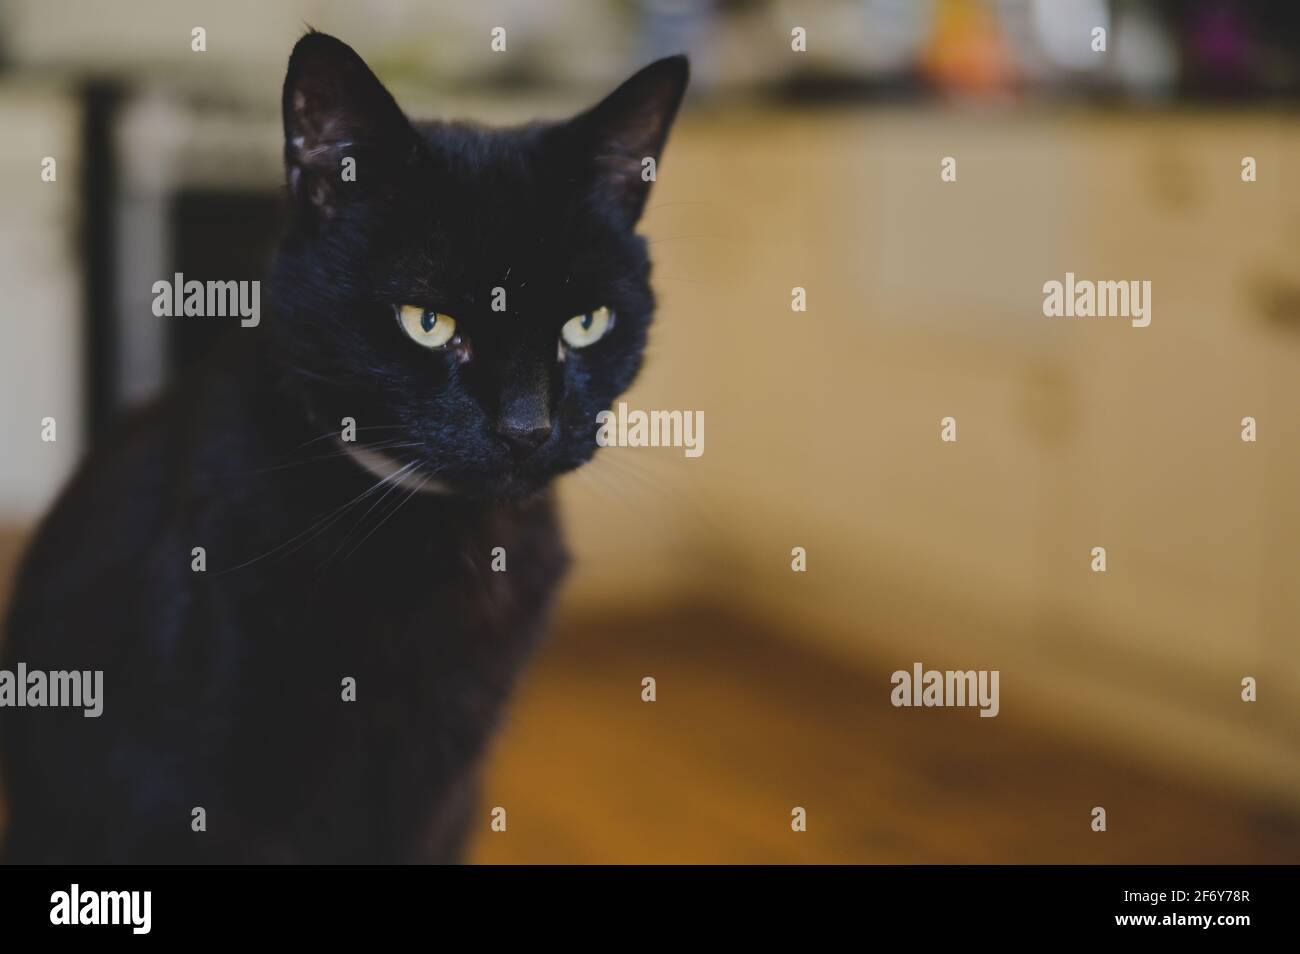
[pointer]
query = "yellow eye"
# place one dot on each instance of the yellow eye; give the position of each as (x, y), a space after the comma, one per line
(426, 327)
(582, 330)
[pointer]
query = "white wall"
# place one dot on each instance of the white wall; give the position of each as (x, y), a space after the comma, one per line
(40, 301)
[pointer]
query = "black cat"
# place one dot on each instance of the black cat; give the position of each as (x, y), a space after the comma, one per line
(471, 298)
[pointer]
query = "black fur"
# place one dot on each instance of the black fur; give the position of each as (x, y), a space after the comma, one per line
(222, 689)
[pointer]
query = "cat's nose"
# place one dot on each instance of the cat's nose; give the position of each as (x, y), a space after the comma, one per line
(524, 418)
(524, 437)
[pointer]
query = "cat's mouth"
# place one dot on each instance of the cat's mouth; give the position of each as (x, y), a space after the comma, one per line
(414, 477)
(406, 475)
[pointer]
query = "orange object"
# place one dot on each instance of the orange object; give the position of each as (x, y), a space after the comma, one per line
(966, 50)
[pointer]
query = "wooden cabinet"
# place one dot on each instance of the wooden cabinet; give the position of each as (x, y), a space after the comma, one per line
(925, 301)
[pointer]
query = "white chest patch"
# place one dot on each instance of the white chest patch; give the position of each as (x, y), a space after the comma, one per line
(380, 465)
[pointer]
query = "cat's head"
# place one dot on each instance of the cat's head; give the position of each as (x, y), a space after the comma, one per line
(472, 297)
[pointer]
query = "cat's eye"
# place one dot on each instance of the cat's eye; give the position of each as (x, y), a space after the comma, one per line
(588, 328)
(425, 326)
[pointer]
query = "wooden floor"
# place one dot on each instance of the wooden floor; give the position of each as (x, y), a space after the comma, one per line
(746, 726)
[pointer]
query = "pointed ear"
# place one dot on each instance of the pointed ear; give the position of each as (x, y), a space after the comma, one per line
(629, 127)
(336, 110)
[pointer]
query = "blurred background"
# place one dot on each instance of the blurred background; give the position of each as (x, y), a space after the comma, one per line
(817, 169)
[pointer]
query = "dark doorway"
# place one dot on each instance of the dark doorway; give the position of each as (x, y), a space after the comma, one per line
(218, 236)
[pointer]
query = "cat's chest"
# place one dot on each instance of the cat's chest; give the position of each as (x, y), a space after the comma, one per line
(399, 662)
(439, 610)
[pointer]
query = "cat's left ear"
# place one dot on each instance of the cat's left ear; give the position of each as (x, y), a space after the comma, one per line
(344, 136)
(629, 127)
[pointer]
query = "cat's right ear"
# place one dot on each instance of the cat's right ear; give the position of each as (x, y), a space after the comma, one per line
(345, 139)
